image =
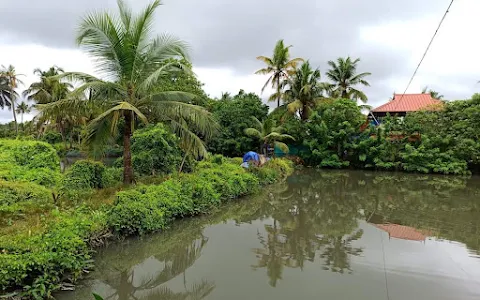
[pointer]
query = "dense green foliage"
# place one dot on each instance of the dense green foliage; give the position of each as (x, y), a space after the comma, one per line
(443, 141)
(149, 208)
(234, 115)
(29, 161)
(39, 263)
(16, 198)
(155, 151)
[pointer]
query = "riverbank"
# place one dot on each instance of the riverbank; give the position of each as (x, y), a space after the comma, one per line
(52, 232)
(328, 224)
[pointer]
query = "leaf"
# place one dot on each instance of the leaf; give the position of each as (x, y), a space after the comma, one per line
(97, 296)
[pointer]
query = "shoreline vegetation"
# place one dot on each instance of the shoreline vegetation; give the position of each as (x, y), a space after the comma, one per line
(56, 252)
(174, 145)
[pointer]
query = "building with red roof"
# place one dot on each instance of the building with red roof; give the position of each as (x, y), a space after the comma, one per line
(403, 232)
(401, 104)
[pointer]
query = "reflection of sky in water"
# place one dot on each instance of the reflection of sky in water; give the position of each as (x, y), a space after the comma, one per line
(257, 256)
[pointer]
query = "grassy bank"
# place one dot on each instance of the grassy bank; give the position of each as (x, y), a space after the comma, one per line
(51, 228)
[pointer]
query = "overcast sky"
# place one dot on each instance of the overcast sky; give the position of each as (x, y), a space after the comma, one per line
(225, 37)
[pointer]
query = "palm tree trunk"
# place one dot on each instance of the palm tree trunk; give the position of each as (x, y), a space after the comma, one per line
(127, 154)
(183, 160)
(278, 92)
(304, 114)
(12, 99)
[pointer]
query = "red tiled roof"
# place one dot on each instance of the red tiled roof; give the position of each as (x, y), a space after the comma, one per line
(403, 232)
(409, 102)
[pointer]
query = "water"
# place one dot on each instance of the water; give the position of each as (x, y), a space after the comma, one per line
(320, 235)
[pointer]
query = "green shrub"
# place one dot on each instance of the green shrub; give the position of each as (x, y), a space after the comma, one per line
(19, 197)
(86, 174)
(155, 151)
(149, 208)
(36, 155)
(29, 161)
(112, 176)
(201, 191)
(136, 213)
(37, 264)
(52, 137)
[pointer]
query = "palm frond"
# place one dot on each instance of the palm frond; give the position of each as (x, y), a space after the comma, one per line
(198, 118)
(253, 133)
(189, 141)
(295, 106)
(282, 146)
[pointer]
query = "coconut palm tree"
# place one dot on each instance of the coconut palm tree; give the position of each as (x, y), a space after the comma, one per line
(131, 63)
(304, 90)
(279, 67)
(5, 93)
(23, 108)
(48, 89)
(343, 74)
(11, 80)
(269, 134)
(433, 94)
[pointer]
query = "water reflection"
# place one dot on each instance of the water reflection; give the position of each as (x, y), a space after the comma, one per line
(324, 223)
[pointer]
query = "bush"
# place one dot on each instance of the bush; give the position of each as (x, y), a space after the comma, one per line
(155, 151)
(39, 263)
(136, 213)
(19, 197)
(149, 208)
(52, 137)
(36, 155)
(86, 174)
(29, 161)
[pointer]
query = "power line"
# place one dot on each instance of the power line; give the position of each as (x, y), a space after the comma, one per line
(428, 47)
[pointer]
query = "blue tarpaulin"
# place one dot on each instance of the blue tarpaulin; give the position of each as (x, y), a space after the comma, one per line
(251, 156)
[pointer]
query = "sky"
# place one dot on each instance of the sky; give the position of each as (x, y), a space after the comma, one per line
(225, 37)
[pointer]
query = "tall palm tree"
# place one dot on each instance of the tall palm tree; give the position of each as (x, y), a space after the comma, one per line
(343, 74)
(269, 134)
(279, 67)
(48, 89)
(132, 63)
(304, 90)
(10, 75)
(5, 93)
(23, 108)
(433, 94)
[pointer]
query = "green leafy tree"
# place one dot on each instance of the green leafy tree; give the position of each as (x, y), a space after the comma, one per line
(10, 83)
(279, 67)
(234, 116)
(343, 74)
(133, 64)
(304, 91)
(332, 130)
(268, 134)
(184, 82)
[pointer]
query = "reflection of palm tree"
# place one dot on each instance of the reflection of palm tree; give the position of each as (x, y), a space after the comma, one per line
(312, 216)
(337, 249)
(271, 256)
(176, 261)
(196, 292)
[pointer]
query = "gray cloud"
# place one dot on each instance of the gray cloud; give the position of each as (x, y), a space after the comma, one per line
(232, 33)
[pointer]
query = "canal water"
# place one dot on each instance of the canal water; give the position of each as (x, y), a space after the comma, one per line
(318, 235)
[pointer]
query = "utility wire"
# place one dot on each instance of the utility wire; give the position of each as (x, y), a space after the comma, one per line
(428, 47)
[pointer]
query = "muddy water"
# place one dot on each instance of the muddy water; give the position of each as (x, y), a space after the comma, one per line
(319, 235)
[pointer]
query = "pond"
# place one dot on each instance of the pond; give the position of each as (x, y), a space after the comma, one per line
(319, 235)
